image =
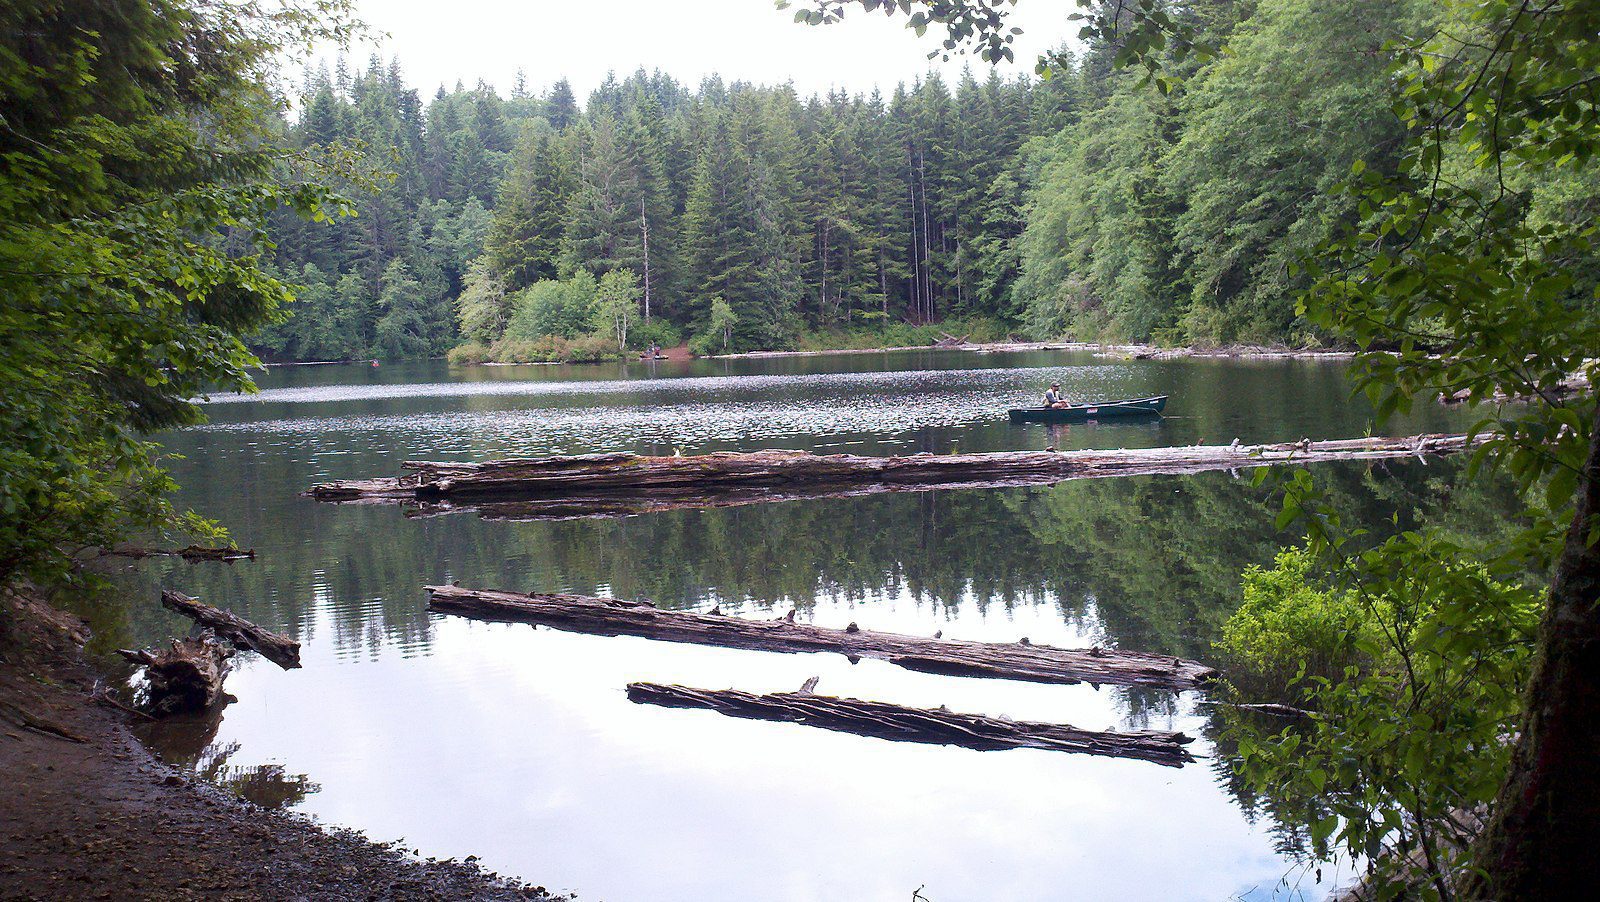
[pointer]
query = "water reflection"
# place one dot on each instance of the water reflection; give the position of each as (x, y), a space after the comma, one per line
(189, 741)
(519, 745)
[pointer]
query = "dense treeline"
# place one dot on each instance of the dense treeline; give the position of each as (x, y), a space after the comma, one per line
(739, 216)
(1179, 216)
(506, 214)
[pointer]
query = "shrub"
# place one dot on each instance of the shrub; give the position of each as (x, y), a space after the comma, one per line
(1289, 622)
(472, 352)
(1393, 748)
(543, 349)
(562, 308)
(657, 330)
(592, 348)
(706, 344)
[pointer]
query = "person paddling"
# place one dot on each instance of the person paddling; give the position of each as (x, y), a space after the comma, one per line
(1054, 398)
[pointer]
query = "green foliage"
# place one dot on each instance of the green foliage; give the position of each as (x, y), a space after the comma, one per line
(544, 349)
(139, 166)
(562, 308)
(484, 305)
(616, 304)
(811, 212)
(1408, 740)
(656, 331)
(875, 332)
(720, 323)
(403, 329)
(1290, 625)
(1181, 216)
(469, 353)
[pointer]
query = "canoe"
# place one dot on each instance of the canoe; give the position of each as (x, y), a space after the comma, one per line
(1077, 413)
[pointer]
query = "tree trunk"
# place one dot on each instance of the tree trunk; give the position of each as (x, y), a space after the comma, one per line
(1540, 840)
(244, 635)
(644, 230)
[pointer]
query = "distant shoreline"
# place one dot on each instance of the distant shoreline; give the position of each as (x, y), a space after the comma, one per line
(1102, 349)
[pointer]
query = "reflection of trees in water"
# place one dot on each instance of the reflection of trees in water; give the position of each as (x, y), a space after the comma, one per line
(1153, 562)
(189, 742)
(1150, 562)
(1287, 819)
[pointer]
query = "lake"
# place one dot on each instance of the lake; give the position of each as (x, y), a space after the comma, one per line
(518, 744)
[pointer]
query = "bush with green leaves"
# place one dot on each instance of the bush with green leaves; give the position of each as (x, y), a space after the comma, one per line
(1293, 623)
(563, 308)
(657, 331)
(1411, 658)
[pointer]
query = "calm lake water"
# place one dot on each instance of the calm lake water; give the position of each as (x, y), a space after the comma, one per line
(518, 744)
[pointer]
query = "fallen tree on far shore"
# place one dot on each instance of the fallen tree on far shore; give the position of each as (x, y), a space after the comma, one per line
(935, 726)
(622, 484)
(1021, 660)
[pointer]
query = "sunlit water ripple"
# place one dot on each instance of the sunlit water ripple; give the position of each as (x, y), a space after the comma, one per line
(678, 412)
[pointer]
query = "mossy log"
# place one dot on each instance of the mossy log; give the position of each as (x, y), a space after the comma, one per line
(245, 636)
(186, 677)
(621, 484)
(1021, 660)
(936, 726)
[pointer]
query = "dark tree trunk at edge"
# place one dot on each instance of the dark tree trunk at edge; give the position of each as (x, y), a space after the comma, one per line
(1540, 840)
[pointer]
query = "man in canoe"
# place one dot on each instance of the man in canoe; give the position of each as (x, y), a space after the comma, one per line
(1054, 398)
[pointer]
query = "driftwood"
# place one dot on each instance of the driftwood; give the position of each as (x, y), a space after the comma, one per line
(935, 726)
(1571, 386)
(1019, 661)
(245, 636)
(621, 484)
(190, 554)
(186, 677)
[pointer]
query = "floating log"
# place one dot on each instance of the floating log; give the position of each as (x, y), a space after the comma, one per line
(1019, 661)
(1581, 383)
(621, 484)
(191, 554)
(245, 636)
(186, 677)
(936, 726)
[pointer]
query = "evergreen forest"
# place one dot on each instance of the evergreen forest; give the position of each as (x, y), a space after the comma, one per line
(1089, 203)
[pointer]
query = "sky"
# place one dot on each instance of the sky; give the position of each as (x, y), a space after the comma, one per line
(749, 40)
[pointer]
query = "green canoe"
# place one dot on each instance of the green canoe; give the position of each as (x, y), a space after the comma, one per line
(1077, 413)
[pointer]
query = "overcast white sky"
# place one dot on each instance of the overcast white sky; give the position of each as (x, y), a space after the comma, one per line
(440, 41)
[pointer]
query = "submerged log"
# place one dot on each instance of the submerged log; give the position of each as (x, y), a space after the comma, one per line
(621, 484)
(245, 636)
(186, 677)
(936, 726)
(1019, 661)
(191, 554)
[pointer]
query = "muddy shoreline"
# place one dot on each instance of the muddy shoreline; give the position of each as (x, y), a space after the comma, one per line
(89, 813)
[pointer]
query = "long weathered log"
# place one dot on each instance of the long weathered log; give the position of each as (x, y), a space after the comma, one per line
(1016, 661)
(621, 484)
(245, 636)
(186, 677)
(935, 726)
(190, 554)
